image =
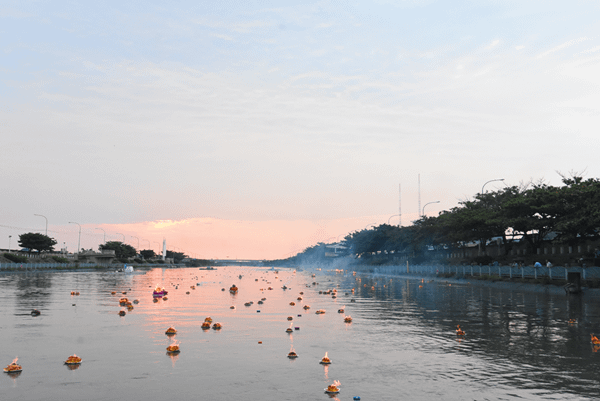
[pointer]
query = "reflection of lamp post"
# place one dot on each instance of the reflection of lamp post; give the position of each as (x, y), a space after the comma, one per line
(79, 239)
(103, 232)
(9, 237)
(497, 179)
(423, 213)
(46, 222)
(123, 237)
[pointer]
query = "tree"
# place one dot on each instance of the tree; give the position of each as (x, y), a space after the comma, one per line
(147, 254)
(36, 241)
(177, 256)
(122, 251)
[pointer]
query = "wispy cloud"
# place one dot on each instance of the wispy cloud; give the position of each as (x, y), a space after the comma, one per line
(562, 46)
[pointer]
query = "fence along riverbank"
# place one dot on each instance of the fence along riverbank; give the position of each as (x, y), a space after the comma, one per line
(552, 273)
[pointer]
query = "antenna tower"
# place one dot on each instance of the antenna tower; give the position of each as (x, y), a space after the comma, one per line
(419, 183)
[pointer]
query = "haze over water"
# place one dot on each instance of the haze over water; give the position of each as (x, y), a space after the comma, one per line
(400, 345)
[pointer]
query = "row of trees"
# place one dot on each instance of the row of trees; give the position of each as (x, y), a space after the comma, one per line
(43, 243)
(529, 214)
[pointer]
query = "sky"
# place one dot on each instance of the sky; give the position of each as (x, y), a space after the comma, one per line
(254, 129)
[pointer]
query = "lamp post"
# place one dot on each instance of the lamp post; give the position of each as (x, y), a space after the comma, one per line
(496, 179)
(138, 248)
(423, 213)
(46, 222)
(9, 237)
(123, 237)
(148, 241)
(78, 239)
(391, 218)
(103, 232)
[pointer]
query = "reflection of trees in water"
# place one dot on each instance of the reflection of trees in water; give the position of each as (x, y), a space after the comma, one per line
(528, 331)
(32, 290)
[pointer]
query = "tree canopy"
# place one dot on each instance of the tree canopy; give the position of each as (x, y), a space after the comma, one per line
(122, 251)
(37, 242)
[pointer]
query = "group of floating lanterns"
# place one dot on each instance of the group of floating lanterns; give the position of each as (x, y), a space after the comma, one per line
(15, 368)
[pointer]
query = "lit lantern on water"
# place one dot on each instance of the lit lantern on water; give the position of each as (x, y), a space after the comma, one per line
(595, 340)
(13, 367)
(325, 360)
(348, 319)
(459, 331)
(73, 360)
(333, 388)
(171, 331)
(292, 354)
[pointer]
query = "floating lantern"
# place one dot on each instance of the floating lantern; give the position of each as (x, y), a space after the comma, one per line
(217, 326)
(136, 301)
(292, 354)
(342, 309)
(173, 349)
(292, 303)
(333, 388)
(171, 331)
(260, 302)
(35, 312)
(299, 299)
(73, 360)
(290, 318)
(13, 367)
(113, 292)
(208, 319)
(325, 360)
(572, 321)
(306, 307)
(122, 313)
(320, 311)
(232, 307)
(595, 340)
(233, 289)
(460, 332)
(347, 319)
(205, 325)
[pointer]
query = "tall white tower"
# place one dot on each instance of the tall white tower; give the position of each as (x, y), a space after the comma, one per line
(164, 248)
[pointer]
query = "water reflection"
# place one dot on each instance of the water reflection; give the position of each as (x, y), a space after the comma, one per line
(402, 340)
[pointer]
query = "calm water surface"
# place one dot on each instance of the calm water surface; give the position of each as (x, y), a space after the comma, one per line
(401, 344)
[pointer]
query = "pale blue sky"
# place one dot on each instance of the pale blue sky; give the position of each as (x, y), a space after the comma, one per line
(265, 110)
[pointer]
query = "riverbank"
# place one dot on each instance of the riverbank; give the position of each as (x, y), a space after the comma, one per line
(547, 280)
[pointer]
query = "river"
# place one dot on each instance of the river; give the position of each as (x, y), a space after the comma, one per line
(401, 344)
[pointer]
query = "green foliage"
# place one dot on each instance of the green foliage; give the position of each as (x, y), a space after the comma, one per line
(122, 251)
(15, 258)
(37, 242)
(177, 256)
(148, 254)
(59, 259)
(483, 260)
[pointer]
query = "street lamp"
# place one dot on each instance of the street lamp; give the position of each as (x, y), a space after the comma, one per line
(79, 239)
(103, 232)
(394, 216)
(423, 213)
(133, 236)
(9, 237)
(46, 222)
(123, 237)
(497, 179)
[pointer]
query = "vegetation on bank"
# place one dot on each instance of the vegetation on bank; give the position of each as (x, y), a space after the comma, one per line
(527, 216)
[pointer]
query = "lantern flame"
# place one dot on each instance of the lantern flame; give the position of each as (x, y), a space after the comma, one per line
(14, 362)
